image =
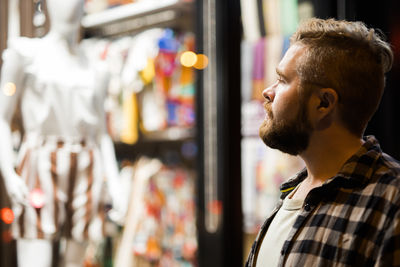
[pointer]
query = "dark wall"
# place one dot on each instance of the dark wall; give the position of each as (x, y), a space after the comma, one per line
(383, 15)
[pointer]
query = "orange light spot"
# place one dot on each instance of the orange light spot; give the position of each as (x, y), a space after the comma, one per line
(202, 62)
(7, 215)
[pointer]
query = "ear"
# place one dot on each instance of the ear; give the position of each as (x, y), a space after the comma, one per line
(324, 103)
(328, 99)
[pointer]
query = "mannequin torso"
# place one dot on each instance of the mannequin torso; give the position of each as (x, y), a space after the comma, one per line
(63, 94)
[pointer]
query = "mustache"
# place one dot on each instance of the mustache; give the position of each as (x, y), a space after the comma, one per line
(268, 109)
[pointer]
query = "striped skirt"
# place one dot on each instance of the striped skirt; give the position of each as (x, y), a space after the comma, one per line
(70, 175)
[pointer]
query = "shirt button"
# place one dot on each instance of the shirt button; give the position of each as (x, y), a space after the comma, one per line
(307, 207)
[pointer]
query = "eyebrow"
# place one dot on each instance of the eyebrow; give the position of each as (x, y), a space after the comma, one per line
(280, 73)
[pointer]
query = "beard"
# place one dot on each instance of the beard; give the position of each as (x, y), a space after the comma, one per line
(291, 136)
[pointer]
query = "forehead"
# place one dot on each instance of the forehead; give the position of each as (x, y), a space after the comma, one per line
(288, 63)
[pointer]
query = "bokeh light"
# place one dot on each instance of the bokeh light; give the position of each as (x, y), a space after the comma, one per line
(7, 215)
(36, 198)
(188, 59)
(9, 89)
(202, 62)
(215, 207)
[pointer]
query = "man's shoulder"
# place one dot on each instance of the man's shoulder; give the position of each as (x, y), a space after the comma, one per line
(387, 166)
(386, 178)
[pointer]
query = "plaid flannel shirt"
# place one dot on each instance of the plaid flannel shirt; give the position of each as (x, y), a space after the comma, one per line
(353, 219)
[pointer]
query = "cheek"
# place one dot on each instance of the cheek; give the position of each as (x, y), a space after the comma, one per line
(283, 108)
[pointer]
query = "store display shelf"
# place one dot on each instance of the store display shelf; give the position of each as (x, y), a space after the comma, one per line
(133, 16)
(170, 134)
(157, 144)
(125, 11)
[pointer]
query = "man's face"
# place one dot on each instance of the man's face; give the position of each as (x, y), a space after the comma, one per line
(286, 125)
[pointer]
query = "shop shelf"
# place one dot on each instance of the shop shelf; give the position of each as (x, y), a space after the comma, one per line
(136, 16)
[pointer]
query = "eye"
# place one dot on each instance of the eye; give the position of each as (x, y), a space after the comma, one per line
(280, 79)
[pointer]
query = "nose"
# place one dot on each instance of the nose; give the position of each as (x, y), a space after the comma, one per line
(269, 94)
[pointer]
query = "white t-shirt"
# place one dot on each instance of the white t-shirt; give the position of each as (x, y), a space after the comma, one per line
(278, 231)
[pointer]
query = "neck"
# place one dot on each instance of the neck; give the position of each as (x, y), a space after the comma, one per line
(65, 35)
(327, 152)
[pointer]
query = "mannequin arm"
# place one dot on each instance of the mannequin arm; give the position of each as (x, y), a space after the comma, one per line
(12, 72)
(119, 201)
(109, 160)
(111, 170)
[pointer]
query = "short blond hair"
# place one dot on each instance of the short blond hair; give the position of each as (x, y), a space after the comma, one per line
(348, 57)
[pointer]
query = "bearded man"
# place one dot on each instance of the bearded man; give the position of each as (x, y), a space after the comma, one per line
(343, 209)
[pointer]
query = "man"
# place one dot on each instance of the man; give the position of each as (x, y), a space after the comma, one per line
(343, 209)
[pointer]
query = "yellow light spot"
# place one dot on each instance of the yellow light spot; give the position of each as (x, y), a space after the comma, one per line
(202, 62)
(9, 89)
(188, 59)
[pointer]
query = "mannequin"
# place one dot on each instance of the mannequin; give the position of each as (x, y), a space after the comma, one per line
(66, 153)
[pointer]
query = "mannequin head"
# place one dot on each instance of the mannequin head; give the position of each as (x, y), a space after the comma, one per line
(65, 16)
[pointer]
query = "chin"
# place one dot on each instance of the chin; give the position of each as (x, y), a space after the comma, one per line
(264, 128)
(289, 138)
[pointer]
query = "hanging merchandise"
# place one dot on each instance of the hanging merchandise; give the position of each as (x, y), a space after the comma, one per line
(289, 21)
(273, 46)
(167, 231)
(272, 16)
(251, 29)
(174, 80)
(165, 65)
(247, 61)
(187, 87)
(129, 133)
(289, 17)
(149, 89)
(258, 69)
(171, 92)
(305, 9)
(137, 79)
(161, 226)
(263, 168)
(272, 169)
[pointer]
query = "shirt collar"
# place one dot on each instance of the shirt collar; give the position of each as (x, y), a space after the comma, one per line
(356, 170)
(291, 184)
(359, 167)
